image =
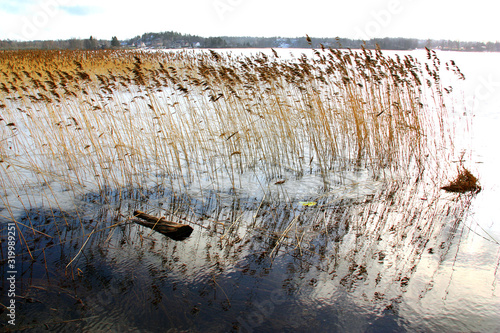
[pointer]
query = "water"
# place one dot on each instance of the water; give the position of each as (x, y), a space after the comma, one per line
(370, 258)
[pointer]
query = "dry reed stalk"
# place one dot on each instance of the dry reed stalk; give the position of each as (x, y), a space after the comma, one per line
(115, 119)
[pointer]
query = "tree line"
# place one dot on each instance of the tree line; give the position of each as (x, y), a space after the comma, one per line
(171, 39)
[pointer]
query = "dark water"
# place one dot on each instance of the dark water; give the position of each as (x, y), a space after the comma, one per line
(344, 265)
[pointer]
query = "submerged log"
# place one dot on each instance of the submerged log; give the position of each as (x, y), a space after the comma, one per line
(176, 231)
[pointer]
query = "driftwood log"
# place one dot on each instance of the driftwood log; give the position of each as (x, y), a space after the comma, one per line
(176, 231)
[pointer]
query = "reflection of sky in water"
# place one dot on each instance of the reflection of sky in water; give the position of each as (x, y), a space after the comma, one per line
(462, 293)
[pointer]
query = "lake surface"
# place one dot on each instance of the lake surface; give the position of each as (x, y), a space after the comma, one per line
(371, 257)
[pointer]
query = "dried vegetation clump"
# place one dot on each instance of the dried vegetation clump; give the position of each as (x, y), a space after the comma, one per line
(464, 182)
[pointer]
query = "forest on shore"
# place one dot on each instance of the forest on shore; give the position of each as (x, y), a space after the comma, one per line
(174, 40)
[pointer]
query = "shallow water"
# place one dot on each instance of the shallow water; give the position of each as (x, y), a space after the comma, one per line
(370, 256)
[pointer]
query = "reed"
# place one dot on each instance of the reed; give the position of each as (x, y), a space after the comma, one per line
(113, 121)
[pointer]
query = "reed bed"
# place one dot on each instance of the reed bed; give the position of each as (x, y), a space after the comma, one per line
(214, 126)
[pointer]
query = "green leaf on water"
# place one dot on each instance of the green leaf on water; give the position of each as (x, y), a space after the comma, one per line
(308, 203)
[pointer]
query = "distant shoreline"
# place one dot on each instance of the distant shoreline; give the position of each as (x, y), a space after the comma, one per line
(175, 40)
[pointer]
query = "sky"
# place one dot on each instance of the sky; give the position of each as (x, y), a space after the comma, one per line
(361, 19)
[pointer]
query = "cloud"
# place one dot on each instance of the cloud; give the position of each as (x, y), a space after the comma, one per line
(80, 10)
